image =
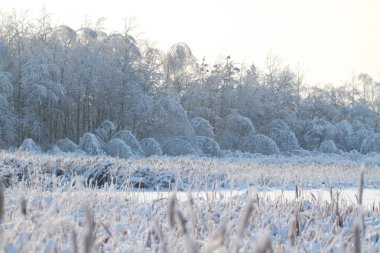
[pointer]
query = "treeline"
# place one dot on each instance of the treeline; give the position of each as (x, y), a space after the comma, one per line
(57, 83)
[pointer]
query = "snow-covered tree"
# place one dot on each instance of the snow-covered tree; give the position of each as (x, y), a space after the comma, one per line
(235, 129)
(282, 135)
(150, 147)
(118, 148)
(130, 140)
(29, 145)
(178, 147)
(168, 120)
(343, 135)
(315, 132)
(90, 144)
(67, 145)
(202, 127)
(106, 130)
(328, 147)
(256, 143)
(371, 144)
(208, 146)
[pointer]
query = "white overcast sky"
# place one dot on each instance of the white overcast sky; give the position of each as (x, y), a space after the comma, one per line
(330, 39)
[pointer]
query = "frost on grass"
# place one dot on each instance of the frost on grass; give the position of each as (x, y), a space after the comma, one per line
(150, 147)
(90, 144)
(29, 145)
(220, 221)
(118, 148)
(260, 144)
(130, 140)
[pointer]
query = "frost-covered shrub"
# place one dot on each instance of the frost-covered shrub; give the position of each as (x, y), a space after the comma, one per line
(360, 133)
(208, 114)
(328, 147)
(150, 147)
(106, 130)
(361, 112)
(130, 140)
(202, 127)
(282, 135)
(168, 120)
(54, 150)
(342, 135)
(315, 132)
(371, 144)
(259, 144)
(118, 148)
(208, 146)
(234, 130)
(178, 147)
(30, 146)
(66, 145)
(90, 144)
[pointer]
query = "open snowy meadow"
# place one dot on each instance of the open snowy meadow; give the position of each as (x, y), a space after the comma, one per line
(77, 203)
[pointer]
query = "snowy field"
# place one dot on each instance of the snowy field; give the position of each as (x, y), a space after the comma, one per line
(190, 204)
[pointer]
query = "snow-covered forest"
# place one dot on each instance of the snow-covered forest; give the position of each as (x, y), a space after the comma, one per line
(86, 90)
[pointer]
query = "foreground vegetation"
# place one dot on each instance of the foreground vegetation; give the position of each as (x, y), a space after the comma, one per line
(191, 204)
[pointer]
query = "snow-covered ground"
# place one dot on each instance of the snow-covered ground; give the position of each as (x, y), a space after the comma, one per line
(220, 205)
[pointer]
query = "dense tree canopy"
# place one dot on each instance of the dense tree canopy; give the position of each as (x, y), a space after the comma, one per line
(107, 93)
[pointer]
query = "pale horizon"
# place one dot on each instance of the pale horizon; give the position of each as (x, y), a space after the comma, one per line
(329, 40)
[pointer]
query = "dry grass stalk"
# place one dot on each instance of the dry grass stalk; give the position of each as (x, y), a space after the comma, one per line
(89, 237)
(264, 244)
(23, 204)
(357, 243)
(243, 219)
(217, 239)
(75, 242)
(293, 231)
(360, 188)
(161, 238)
(171, 209)
(2, 204)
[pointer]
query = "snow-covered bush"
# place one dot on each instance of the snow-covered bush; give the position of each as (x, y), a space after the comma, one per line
(29, 145)
(371, 144)
(315, 132)
(66, 145)
(54, 150)
(328, 147)
(150, 147)
(259, 144)
(360, 133)
(342, 135)
(130, 140)
(202, 127)
(90, 144)
(234, 130)
(106, 130)
(178, 147)
(208, 146)
(208, 114)
(168, 120)
(282, 135)
(118, 148)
